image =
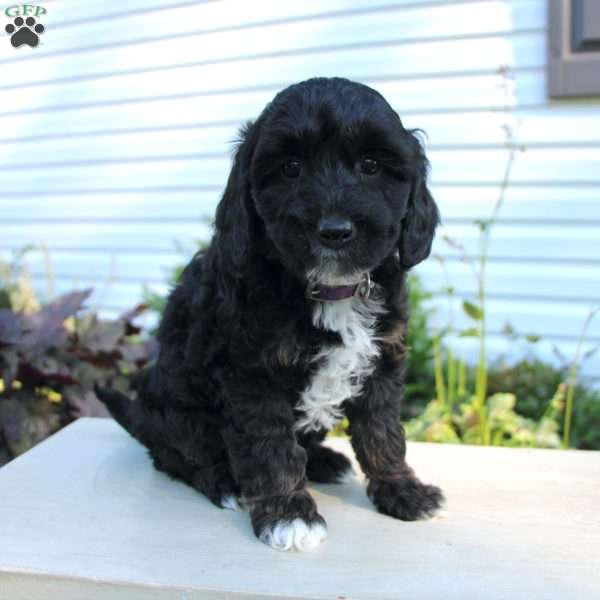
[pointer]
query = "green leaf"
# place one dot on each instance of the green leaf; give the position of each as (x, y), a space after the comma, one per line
(508, 330)
(483, 224)
(470, 332)
(452, 243)
(472, 310)
(502, 401)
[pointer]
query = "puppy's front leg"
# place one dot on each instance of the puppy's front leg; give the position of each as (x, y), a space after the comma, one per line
(379, 443)
(270, 468)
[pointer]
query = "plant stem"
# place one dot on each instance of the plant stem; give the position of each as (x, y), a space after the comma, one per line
(572, 379)
(569, 409)
(484, 239)
(451, 379)
(462, 378)
(439, 372)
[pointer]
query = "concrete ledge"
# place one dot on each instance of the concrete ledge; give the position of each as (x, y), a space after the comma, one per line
(85, 515)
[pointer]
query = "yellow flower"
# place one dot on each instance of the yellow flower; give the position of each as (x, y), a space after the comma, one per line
(1, 385)
(50, 394)
(16, 385)
(54, 397)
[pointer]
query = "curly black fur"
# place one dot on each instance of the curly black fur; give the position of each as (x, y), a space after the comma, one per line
(237, 340)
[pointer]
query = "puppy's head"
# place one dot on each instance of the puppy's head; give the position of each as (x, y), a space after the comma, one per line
(333, 181)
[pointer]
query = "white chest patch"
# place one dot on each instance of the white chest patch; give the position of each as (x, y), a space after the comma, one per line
(342, 368)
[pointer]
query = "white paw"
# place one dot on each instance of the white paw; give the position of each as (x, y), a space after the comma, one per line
(230, 502)
(347, 476)
(441, 512)
(294, 535)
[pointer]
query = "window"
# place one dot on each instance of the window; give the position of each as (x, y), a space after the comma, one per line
(574, 48)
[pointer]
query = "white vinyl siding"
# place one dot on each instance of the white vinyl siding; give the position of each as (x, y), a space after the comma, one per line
(115, 139)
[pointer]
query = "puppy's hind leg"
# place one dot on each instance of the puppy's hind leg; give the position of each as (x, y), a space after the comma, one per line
(213, 479)
(187, 444)
(323, 464)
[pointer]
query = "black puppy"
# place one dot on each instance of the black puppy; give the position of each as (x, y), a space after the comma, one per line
(295, 317)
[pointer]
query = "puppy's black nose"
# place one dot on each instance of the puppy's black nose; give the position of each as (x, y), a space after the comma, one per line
(335, 231)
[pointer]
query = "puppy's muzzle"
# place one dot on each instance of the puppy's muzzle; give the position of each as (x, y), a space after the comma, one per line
(335, 232)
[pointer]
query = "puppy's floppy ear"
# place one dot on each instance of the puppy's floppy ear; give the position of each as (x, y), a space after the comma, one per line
(422, 216)
(234, 219)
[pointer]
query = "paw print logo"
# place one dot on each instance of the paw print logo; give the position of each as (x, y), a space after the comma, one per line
(24, 32)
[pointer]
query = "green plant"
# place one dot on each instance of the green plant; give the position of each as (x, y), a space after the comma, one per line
(531, 403)
(16, 291)
(155, 301)
(585, 432)
(531, 379)
(506, 427)
(450, 391)
(571, 381)
(419, 378)
(481, 417)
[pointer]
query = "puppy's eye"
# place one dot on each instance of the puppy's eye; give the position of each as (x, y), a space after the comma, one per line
(291, 169)
(369, 166)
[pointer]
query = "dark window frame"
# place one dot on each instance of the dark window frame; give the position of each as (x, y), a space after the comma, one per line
(573, 55)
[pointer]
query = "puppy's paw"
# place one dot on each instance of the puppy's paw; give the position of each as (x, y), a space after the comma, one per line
(297, 534)
(407, 499)
(231, 502)
(327, 466)
(288, 522)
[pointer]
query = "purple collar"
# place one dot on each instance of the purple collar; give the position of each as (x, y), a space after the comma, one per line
(334, 293)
